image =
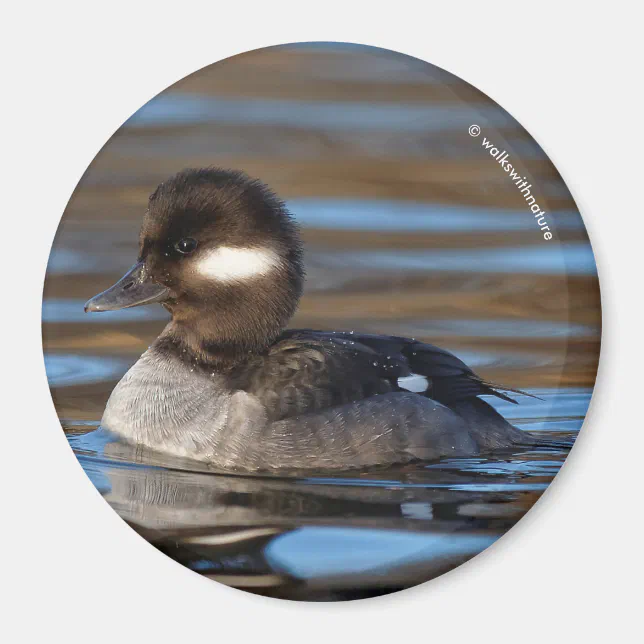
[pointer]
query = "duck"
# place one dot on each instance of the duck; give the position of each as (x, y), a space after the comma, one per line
(228, 384)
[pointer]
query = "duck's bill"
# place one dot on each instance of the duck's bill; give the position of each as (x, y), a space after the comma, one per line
(135, 288)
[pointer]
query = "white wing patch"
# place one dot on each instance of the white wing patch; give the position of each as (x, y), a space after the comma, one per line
(227, 264)
(415, 383)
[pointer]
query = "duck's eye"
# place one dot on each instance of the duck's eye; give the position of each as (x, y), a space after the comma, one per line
(186, 245)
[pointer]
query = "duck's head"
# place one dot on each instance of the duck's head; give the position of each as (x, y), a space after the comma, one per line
(220, 251)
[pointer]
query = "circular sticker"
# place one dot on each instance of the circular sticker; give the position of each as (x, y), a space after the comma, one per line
(321, 321)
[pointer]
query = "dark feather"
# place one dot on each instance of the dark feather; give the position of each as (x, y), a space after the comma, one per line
(307, 371)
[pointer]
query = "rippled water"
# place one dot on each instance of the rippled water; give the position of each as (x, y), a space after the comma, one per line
(320, 537)
(410, 230)
(188, 109)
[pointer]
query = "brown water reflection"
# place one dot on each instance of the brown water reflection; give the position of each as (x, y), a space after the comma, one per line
(410, 228)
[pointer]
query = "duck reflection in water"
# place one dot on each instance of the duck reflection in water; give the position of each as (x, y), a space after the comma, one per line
(307, 537)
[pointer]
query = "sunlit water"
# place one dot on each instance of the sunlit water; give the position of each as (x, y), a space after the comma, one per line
(410, 230)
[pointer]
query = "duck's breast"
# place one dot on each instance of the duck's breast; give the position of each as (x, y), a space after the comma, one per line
(164, 404)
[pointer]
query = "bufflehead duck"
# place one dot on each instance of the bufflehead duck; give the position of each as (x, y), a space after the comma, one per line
(225, 382)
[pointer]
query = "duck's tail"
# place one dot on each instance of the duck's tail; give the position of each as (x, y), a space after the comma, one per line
(492, 431)
(498, 390)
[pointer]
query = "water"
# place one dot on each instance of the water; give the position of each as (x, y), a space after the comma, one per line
(186, 109)
(410, 230)
(321, 537)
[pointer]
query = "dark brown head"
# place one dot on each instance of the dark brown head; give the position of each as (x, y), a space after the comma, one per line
(220, 251)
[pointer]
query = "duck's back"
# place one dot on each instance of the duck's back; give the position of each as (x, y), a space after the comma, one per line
(349, 400)
(307, 371)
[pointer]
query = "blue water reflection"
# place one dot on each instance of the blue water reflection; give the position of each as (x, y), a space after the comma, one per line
(65, 370)
(546, 258)
(187, 109)
(385, 215)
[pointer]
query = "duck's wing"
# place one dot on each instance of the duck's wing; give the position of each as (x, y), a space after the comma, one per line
(307, 371)
(449, 379)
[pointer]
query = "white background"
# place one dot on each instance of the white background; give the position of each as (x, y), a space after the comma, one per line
(73, 72)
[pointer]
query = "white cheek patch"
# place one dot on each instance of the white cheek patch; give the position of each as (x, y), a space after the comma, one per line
(227, 264)
(414, 383)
